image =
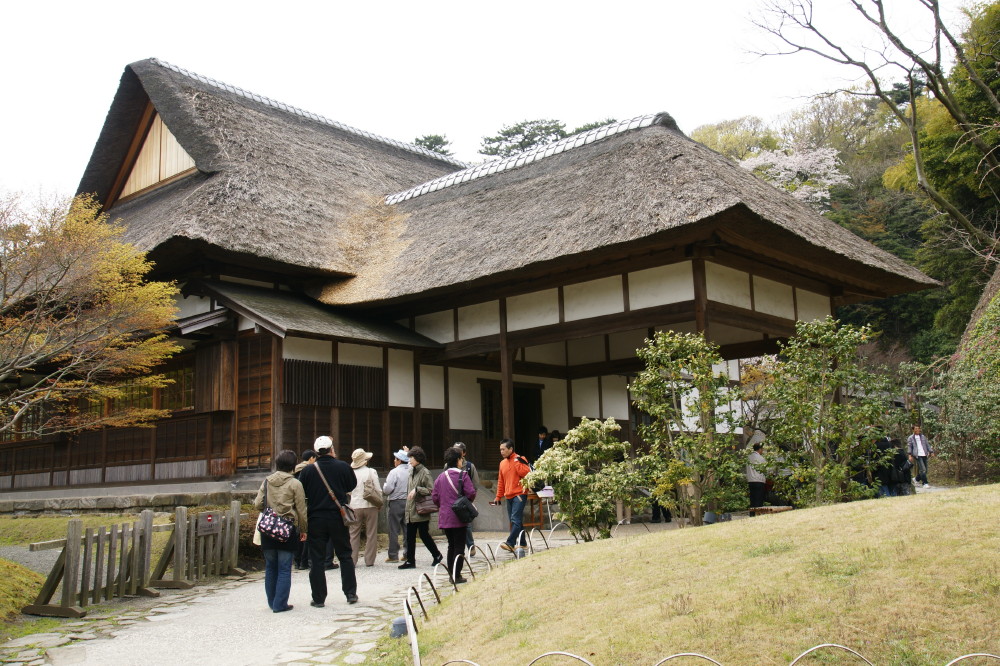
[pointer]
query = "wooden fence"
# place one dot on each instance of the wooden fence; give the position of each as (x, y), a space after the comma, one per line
(99, 564)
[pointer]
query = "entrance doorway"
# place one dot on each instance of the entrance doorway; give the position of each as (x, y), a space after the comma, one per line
(527, 413)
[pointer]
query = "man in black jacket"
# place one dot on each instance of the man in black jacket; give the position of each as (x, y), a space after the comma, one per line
(329, 524)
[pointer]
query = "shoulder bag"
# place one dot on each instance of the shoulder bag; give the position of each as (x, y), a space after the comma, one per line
(272, 525)
(372, 493)
(462, 507)
(346, 512)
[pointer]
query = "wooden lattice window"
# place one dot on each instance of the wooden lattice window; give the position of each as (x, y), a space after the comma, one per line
(179, 394)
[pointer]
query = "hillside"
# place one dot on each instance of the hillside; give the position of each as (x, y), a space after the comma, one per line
(911, 580)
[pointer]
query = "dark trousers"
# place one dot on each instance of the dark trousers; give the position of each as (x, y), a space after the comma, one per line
(423, 527)
(757, 492)
(456, 549)
(921, 468)
(323, 528)
(660, 510)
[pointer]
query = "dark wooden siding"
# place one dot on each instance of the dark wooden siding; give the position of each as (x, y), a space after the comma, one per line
(253, 397)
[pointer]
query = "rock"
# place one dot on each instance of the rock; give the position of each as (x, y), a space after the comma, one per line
(72, 654)
(43, 641)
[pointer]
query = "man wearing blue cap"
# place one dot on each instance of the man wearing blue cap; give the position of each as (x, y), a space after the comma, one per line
(395, 492)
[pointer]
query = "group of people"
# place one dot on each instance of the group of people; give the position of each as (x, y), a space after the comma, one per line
(310, 496)
(892, 470)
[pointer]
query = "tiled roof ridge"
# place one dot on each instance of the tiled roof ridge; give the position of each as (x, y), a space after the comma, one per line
(308, 114)
(532, 155)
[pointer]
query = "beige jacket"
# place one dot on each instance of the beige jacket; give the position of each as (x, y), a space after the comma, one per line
(286, 497)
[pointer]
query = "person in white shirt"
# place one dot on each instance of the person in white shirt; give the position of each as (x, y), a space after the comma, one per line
(919, 449)
(395, 494)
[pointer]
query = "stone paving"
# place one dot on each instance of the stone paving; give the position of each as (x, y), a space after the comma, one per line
(227, 622)
(159, 631)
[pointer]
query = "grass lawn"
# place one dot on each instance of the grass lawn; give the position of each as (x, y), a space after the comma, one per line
(908, 581)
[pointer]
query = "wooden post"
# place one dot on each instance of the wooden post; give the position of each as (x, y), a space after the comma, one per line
(700, 296)
(88, 551)
(123, 559)
(99, 566)
(109, 582)
(234, 537)
(71, 570)
(506, 375)
(180, 543)
(147, 547)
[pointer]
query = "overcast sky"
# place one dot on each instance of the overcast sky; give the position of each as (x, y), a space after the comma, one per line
(399, 69)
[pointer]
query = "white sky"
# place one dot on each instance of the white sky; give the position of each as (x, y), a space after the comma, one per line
(399, 69)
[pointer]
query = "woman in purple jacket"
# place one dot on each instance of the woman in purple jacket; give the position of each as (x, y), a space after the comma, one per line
(446, 491)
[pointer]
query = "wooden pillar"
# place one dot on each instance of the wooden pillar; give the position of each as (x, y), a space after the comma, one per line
(506, 375)
(700, 296)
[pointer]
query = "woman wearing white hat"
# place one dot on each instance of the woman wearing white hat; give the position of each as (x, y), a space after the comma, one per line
(366, 508)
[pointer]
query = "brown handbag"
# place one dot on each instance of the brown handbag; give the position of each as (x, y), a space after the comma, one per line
(425, 506)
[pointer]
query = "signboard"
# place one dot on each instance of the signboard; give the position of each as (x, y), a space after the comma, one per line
(209, 522)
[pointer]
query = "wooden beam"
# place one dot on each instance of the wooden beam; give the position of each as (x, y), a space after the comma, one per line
(142, 130)
(731, 315)
(749, 349)
(506, 375)
(700, 296)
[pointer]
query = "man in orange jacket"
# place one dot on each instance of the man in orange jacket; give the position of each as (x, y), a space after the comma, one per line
(513, 468)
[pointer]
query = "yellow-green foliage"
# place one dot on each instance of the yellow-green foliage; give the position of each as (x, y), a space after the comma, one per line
(18, 587)
(908, 580)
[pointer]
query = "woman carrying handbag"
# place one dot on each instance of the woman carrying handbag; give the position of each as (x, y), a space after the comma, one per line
(418, 492)
(283, 494)
(448, 487)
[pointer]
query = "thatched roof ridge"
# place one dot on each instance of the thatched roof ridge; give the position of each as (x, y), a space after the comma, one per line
(308, 114)
(529, 156)
(628, 190)
(274, 184)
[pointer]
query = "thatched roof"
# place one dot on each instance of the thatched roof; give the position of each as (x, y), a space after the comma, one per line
(638, 185)
(274, 183)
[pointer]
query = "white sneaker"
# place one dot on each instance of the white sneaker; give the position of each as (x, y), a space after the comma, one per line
(927, 485)
(915, 482)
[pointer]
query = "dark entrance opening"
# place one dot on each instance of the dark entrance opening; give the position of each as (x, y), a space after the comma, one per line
(527, 416)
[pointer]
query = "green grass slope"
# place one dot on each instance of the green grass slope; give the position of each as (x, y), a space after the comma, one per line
(909, 580)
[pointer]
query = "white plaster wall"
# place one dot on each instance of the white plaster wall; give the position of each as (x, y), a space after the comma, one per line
(593, 298)
(727, 285)
(191, 305)
(366, 355)
(400, 375)
(245, 324)
(585, 398)
(586, 350)
(614, 396)
(773, 298)
(438, 326)
(465, 407)
(307, 349)
(660, 285)
(477, 320)
(432, 387)
(730, 368)
(252, 283)
(623, 345)
(811, 305)
(539, 308)
(555, 404)
(554, 353)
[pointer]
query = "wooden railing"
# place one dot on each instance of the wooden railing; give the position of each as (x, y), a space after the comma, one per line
(99, 564)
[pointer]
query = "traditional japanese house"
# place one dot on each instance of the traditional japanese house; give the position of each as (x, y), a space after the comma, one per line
(337, 282)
